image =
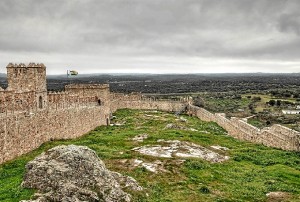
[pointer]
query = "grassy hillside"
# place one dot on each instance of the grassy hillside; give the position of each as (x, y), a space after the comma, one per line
(252, 171)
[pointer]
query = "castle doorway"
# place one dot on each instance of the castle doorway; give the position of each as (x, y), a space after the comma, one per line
(40, 102)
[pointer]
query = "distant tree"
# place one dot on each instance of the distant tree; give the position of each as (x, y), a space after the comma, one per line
(237, 97)
(272, 102)
(252, 108)
(287, 94)
(268, 123)
(256, 99)
(278, 103)
(198, 101)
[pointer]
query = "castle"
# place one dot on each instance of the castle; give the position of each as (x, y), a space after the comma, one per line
(30, 116)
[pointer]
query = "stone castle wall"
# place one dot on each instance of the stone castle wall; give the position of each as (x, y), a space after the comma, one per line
(22, 132)
(276, 136)
(64, 120)
(137, 101)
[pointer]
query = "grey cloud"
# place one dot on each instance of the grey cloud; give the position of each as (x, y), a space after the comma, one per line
(236, 29)
(290, 23)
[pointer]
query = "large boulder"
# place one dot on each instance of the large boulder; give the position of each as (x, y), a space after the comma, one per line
(75, 173)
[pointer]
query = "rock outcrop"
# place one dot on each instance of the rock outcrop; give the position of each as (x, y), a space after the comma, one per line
(176, 148)
(75, 173)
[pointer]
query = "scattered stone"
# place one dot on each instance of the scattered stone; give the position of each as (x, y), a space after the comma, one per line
(127, 182)
(156, 150)
(180, 161)
(173, 126)
(154, 111)
(176, 148)
(168, 141)
(140, 138)
(123, 161)
(117, 124)
(155, 167)
(151, 116)
(137, 162)
(278, 196)
(217, 147)
(150, 167)
(182, 119)
(75, 173)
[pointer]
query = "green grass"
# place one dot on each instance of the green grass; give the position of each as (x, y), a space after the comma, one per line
(227, 105)
(252, 171)
(256, 122)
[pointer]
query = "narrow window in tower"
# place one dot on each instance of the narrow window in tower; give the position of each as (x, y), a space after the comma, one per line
(40, 102)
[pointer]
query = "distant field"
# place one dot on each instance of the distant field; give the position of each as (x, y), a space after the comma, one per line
(261, 105)
(252, 171)
(227, 105)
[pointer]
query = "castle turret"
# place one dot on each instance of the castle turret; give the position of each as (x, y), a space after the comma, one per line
(23, 78)
(31, 77)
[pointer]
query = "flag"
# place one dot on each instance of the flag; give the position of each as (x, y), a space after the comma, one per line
(73, 73)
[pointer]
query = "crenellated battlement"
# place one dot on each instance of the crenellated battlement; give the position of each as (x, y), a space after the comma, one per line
(23, 65)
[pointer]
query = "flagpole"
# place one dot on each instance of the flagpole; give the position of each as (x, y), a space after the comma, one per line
(68, 77)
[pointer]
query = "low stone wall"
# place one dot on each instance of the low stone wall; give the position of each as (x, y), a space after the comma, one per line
(171, 106)
(281, 137)
(276, 136)
(23, 132)
(243, 130)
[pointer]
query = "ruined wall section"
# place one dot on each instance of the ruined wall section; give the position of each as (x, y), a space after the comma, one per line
(276, 136)
(138, 101)
(23, 132)
(244, 131)
(281, 137)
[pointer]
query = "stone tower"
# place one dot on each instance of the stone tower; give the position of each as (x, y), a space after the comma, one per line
(26, 79)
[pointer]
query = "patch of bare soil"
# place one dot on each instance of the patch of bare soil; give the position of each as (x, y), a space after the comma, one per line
(278, 196)
(140, 137)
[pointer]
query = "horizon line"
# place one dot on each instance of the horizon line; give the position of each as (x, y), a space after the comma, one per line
(169, 73)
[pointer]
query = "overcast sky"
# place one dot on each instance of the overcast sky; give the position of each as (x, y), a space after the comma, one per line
(155, 36)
